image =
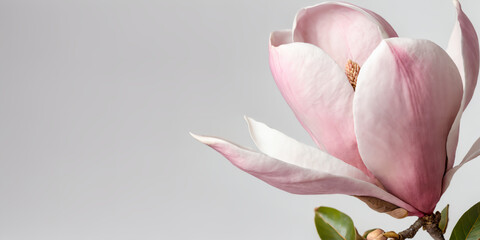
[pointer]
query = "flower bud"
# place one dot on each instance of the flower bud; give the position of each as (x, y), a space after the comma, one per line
(376, 234)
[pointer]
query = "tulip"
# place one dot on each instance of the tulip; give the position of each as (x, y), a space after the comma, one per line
(384, 111)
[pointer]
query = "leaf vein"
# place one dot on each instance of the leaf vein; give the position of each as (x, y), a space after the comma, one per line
(331, 226)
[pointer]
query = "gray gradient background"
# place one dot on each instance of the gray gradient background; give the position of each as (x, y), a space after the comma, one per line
(97, 99)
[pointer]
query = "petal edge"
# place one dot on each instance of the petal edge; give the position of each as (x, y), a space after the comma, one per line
(295, 179)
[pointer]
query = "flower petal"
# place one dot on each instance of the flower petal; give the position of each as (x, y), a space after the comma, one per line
(296, 179)
(344, 31)
(319, 94)
(473, 153)
(408, 94)
(464, 50)
(277, 145)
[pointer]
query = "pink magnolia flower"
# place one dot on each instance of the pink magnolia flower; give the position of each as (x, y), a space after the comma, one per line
(384, 111)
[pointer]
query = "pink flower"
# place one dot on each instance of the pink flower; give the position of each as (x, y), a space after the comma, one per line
(384, 111)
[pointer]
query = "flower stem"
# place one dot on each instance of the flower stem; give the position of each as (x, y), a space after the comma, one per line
(431, 225)
(428, 222)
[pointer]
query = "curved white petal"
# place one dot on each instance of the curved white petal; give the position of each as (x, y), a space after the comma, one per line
(408, 94)
(463, 48)
(277, 145)
(319, 93)
(472, 154)
(342, 30)
(296, 179)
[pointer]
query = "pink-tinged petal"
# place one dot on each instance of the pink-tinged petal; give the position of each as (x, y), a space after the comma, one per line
(473, 153)
(282, 37)
(279, 146)
(464, 50)
(408, 94)
(296, 179)
(320, 95)
(386, 29)
(342, 30)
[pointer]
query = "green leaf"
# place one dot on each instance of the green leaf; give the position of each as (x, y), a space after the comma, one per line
(334, 225)
(468, 227)
(444, 220)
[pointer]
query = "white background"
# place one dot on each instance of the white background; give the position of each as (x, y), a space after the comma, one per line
(97, 98)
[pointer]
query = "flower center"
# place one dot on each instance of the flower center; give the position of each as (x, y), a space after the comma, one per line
(351, 70)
